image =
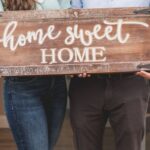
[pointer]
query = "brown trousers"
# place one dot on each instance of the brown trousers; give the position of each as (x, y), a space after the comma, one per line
(121, 98)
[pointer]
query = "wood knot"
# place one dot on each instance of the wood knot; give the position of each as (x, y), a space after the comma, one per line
(76, 14)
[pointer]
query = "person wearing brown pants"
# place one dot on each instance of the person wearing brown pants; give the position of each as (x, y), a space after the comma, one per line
(122, 98)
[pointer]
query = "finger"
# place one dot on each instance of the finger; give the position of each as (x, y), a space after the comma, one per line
(84, 75)
(71, 76)
(80, 75)
(144, 74)
(89, 75)
(139, 74)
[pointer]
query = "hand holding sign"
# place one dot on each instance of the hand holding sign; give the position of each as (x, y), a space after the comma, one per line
(144, 74)
(82, 75)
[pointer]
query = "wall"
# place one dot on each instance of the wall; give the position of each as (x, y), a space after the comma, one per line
(3, 122)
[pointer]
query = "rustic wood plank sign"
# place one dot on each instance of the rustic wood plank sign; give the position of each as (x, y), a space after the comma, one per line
(74, 41)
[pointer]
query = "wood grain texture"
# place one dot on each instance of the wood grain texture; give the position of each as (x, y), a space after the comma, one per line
(120, 57)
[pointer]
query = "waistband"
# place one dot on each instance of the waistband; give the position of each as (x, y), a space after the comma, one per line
(115, 75)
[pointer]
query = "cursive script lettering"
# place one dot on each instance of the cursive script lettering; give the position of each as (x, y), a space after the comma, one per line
(39, 36)
(108, 30)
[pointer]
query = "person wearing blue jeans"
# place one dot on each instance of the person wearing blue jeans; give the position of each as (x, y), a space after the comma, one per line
(35, 106)
(120, 97)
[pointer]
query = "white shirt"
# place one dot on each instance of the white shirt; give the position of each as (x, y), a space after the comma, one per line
(1, 6)
(109, 3)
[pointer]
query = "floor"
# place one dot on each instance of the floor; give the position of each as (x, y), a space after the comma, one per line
(65, 141)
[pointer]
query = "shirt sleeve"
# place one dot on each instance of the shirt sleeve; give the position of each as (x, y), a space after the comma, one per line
(76, 3)
(1, 6)
(64, 4)
(47, 4)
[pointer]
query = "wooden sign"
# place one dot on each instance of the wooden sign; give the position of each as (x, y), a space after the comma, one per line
(74, 41)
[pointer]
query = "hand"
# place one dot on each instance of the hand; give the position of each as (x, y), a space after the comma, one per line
(144, 74)
(84, 75)
(81, 75)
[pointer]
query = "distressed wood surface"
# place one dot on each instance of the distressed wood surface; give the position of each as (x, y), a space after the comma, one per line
(105, 55)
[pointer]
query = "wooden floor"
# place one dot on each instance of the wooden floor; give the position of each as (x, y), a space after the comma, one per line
(65, 141)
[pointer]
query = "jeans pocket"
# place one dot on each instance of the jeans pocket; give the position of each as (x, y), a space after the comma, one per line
(22, 80)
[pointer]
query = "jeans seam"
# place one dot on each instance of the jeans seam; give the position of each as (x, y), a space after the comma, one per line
(13, 110)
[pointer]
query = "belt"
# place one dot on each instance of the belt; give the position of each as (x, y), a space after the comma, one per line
(115, 75)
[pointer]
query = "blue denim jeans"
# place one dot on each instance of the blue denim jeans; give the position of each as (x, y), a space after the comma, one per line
(35, 108)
